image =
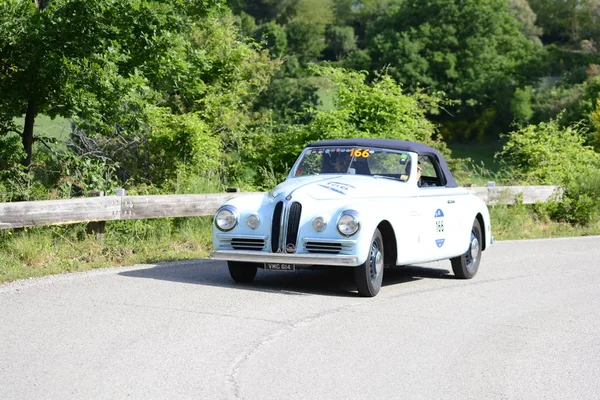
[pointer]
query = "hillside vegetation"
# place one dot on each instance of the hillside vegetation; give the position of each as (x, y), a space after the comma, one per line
(182, 97)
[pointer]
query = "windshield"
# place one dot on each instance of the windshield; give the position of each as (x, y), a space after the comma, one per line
(354, 160)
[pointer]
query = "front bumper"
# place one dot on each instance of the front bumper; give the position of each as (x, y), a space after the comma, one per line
(300, 259)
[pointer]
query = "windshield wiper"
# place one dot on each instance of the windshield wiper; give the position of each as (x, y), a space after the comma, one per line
(387, 177)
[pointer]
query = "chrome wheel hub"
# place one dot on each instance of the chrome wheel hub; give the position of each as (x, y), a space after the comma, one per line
(474, 249)
(376, 261)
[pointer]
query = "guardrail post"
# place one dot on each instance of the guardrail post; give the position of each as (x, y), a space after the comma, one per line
(96, 227)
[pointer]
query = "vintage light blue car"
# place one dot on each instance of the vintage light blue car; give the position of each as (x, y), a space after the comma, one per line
(358, 203)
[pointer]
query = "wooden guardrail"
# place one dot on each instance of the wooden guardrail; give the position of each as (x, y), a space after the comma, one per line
(110, 208)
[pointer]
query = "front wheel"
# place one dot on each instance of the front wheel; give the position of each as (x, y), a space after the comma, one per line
(242, 272)
(368, 276)
(465, 266)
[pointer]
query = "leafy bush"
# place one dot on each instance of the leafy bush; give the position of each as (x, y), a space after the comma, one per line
(17, 183)
(179, 143)
(548, 154)
(581, 200)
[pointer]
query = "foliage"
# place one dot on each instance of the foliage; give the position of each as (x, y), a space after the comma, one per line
(471, 50)
(521, 105)
(596, 124)
(575, 104)
(568, 20)
(178, 143)
(548, 154)
(273, 38)
(580, 203)
(201, 110)
(305, 40)
(76, 58)
(525, 15)
(290, 100)
(79, 176)
(362, 109)
(340, 41)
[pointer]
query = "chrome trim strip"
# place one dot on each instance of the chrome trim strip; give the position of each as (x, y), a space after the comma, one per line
(283, 225)
(221, 236)
(343, 242)
(301, 259)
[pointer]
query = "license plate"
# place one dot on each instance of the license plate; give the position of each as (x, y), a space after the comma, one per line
(280, 267)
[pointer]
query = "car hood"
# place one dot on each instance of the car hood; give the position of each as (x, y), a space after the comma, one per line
(331, 187)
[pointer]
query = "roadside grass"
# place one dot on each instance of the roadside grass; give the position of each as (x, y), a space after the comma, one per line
(35, 252)
(28, 253)
(528, 221)
(40, 251)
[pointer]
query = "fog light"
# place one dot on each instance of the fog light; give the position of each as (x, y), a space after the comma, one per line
(319, 224)
(252, 221)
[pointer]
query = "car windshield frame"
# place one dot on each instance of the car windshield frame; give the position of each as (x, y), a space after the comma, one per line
(357, 157)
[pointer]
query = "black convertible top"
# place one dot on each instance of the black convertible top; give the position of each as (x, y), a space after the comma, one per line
(403, 145)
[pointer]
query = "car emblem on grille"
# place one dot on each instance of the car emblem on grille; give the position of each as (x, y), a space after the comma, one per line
(290, 248)
(289, 197)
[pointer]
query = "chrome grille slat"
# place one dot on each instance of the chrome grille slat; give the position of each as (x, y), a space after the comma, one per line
(323, 247)
(276, 227)
(328, 247)
(247, 244)
(293, 225)
(241, 242)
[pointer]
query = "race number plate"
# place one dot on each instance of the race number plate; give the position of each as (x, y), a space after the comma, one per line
(280, 267)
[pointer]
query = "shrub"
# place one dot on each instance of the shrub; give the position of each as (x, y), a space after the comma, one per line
(548, 154)
(178, 143)
(581, 200)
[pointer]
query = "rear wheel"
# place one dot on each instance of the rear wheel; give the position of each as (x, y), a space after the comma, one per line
(368, 276)
(242, 272)
(466, 265)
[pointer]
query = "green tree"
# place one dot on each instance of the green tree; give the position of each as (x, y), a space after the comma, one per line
(340, 40)
(521, 105)
(209, 93)
(525, 15)
(570, 105)
(273, 38)
(362, 109)
(69, 57)
(568, 21)
(305, 41)
(473, 50)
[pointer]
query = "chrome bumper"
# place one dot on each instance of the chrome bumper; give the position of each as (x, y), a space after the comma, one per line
(301, 259)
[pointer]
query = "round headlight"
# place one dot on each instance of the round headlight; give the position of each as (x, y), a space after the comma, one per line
(252, 221)
(319, 224)
(226, 218)
(348, 223)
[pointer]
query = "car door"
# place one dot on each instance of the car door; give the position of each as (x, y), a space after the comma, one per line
(440, 213)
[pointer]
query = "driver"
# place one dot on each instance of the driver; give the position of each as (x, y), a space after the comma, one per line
(341, 164)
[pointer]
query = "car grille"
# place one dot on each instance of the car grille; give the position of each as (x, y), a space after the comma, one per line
(290, 230)
(323, 247)
(293, 226)
(276, 227)
(247, 244)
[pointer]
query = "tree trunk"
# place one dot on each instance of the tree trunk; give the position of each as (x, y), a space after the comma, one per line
(32, 107)
(28, 131)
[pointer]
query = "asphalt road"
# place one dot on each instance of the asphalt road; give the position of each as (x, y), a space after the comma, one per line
(526, 327)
